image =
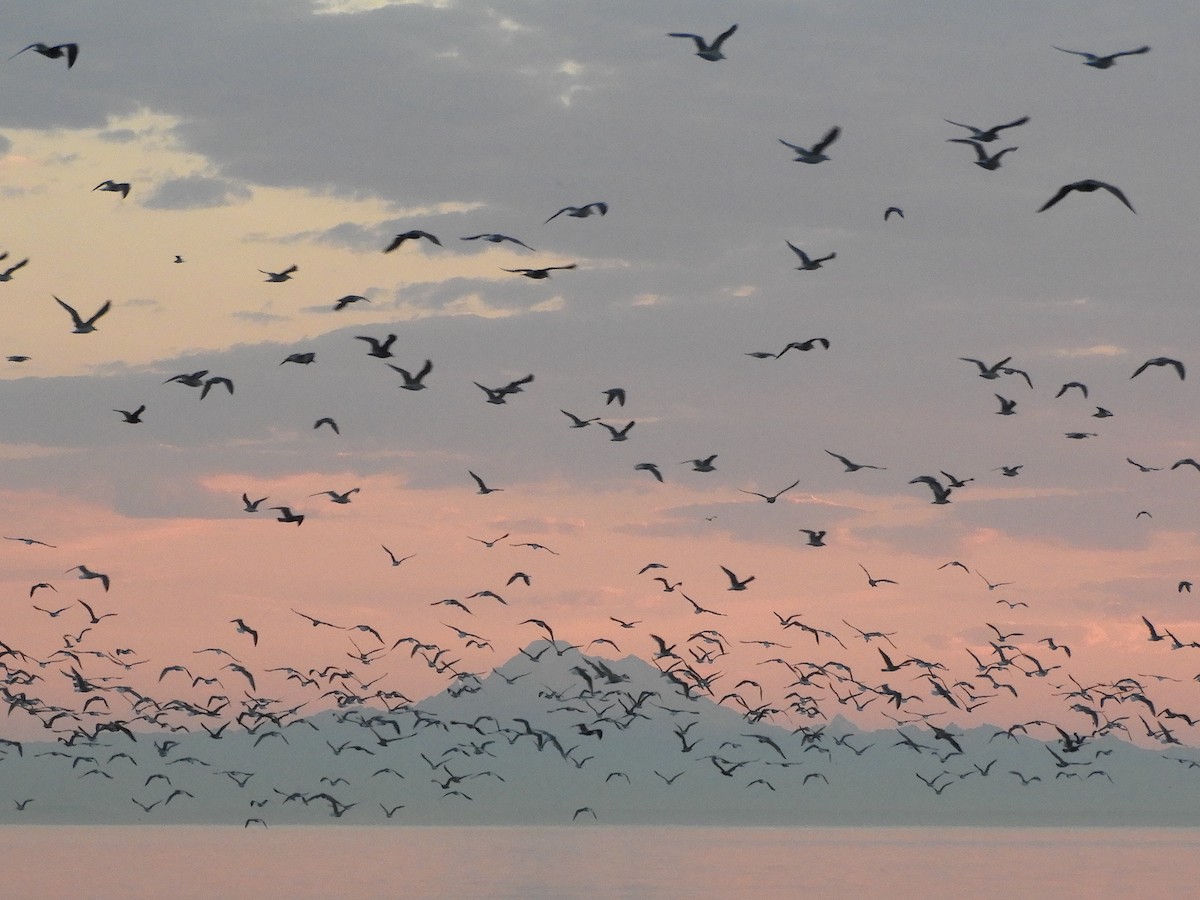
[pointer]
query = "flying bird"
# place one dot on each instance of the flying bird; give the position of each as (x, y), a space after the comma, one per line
(285, 275)
(134, 417)
(483, 488)
(380, 349)
(735, 583)
(58, 51)
(771, 498)
(1160, 361)
(326, 420)
(82, 326)
(414, 382)
(302, 359)
(215, 380)
(494, 238)
(7, 274)
(1103, 62)
(987, 135)
(343, 302)
(243, 628)
(807, 263)
(538, 274)
(941, 493)
(1087, 186)
(982, 159)
(816, 153)
(117, 187)
(892, 210)
(651, 468)
(581, 212)
(86, 573)
(705, 50)
(852, 466)
(410, 236)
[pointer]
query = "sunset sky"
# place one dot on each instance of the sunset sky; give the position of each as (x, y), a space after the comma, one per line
(261, 135)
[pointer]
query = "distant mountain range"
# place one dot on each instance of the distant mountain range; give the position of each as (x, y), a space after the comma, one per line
(574, 738)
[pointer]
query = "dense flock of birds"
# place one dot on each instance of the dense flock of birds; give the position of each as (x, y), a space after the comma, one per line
(118, 719)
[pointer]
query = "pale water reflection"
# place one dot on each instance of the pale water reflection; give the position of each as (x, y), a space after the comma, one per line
(599, 861)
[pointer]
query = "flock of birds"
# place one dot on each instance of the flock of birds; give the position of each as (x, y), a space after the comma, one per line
(111, 709)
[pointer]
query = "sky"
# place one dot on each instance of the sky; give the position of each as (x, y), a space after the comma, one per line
(256, 136)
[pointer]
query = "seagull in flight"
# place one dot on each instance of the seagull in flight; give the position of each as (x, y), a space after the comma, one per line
(852, 466)
(81, 326)
(807, 263)
(133, 417)
(392, 556)
(941, 493)
(987, 135)
(29, 542)
(85, 573)
(771, 498)
(1103, 62)
(816, 153)
(875, 582)
(577, 422)
(335, 497)
(651, 468)
(413, 235)
(414, 382)
(58, 51)
(483, 488)
(380, 349)
(343, 302)
(251, 505)
(1086, 187)
(493, 238)
(735, 583)
(815, 538)
(118, 187)
(7, 274)
(581, 212)
(539, 274)
(215, 380)
(617, 434)
(991, 163)
(1160, 361)
(704, 50)
(887, 213)
(285, 275)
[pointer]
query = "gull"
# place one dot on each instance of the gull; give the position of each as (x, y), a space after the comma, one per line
(817, 152)
(807, 263)
(1080, 435)
(343, 302)
(414, 382)
(651, 468)
(1072, 384)
(58, 51)
(1186, 462)
(216, 379)
(1009, 471)
(302, 359)
(286, 515)
(7, 274)
(986, 371)
(887, 213)
(519, 576)
(118, 187)
(991, 586)
(483, 488)
(538, 273)
(991, 163)
(1102, 413)
(987, 135)
(494, 238)
(251, 505)
(1007, 407)
(410, 236)
(577, 422)
(617, 434)
(735, 583)
(875, 582)
(134, 417)
(285, 275)
(326, 420)
(18, 359)
(379, 349)
(815, 538)
(85, 573)
(490, 544)
(804, 346)
(92, 617)
(81, 326)
(1184, 586)
(192, 380)
(1160, 361)
(29, 542)
(1102, 62)
(335, 497)
(852, 466)
(243, 628)
(771, 498)
(392, 556)
(178, 259)
(1086, 187)
(42, 584)
(941, 494)
(701, 465)
(1142, 467)
(581, 212)
(700, 610)
(617, 394)
(954, 562)
(704, 50)
(953, 482)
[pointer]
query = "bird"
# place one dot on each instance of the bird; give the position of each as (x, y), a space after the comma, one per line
(410, 236)
(816, 153)
(414, 382)
(285, 275)
(1161, 361)
(243, 628)
(1007, 407)
(251, 505)
(1009, 471)
(987, 135)
(29, 542)
(192, 379)
(492, 543)
(538, 274)
(577, 422)
(134, 417)
(117, 187)
(286, 515)
(941, 493)
(82, 326)
(1072, 384)
(380, 349)
(875, 582)
(815, 538)
(483, 488)
(7, 274)
(342, 302)
(494, 238)
(651, 468)
(617, 434)
(705, 50)
(335, 497)
(985, 371)
(852, 466)
(86, 573)
(771, 498)
(1087, 186)
(701, 465)
(982, 159)
(807, 263)
(392, 556)
(56, 51)
(215, 380)
(735, 583)
(1102, 62)
(892, 210)
(612, 395)
(1142, 468)
(581, 212)
(302, 359)
(326, 420)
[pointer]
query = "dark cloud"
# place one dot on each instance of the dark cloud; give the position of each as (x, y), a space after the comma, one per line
(196, 192)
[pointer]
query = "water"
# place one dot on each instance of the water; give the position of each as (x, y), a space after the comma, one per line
(599, 861)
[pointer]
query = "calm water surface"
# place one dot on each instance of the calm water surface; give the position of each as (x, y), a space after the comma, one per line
(597, 861)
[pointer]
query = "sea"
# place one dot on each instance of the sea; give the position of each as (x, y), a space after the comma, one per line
(590, 859)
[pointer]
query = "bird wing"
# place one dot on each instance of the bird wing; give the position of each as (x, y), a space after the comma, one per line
(74, 315)
(716, 45)
(830, 137)
(1062, 191)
